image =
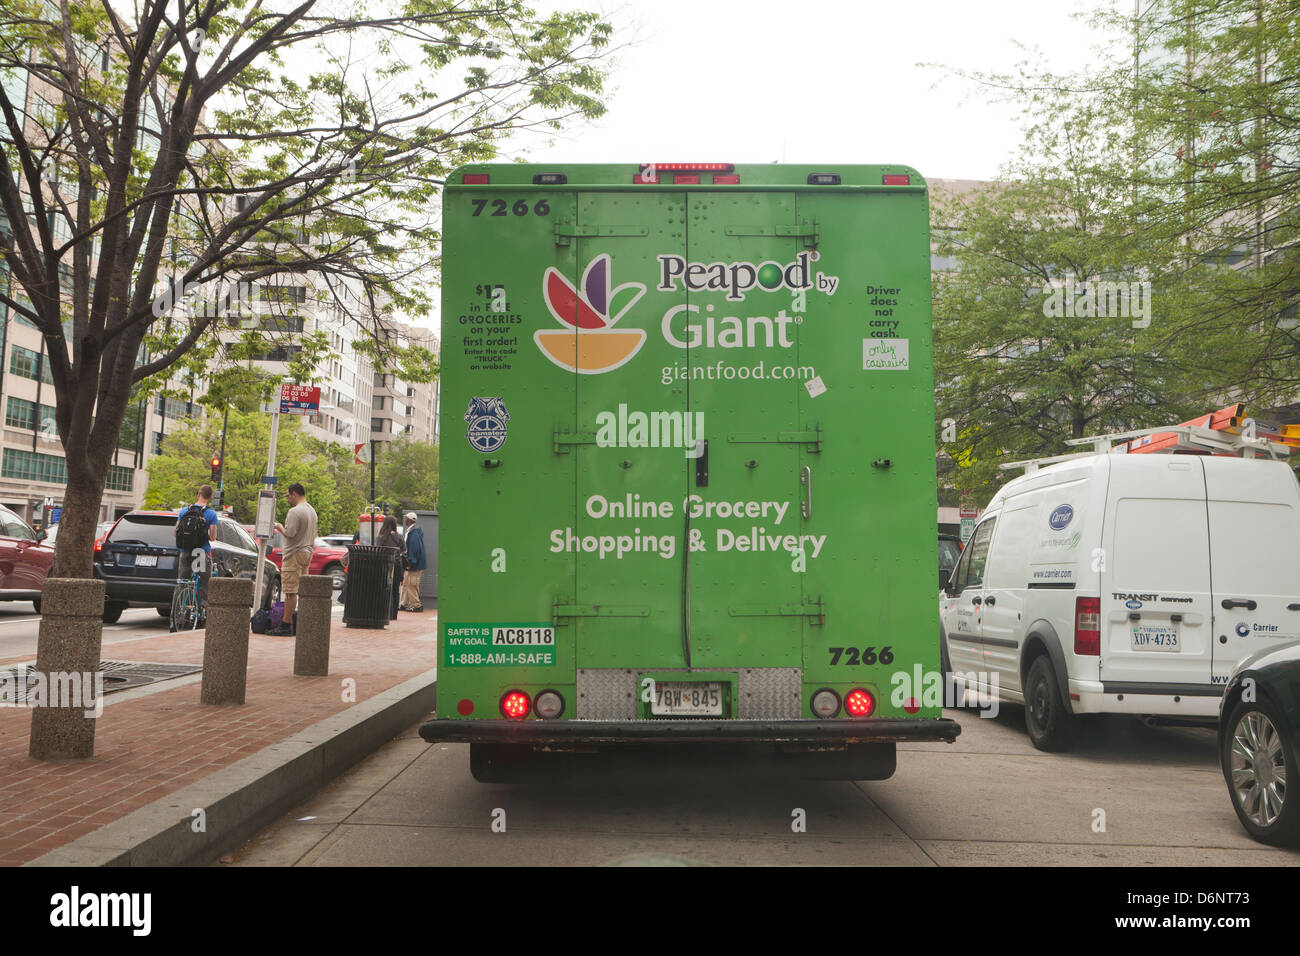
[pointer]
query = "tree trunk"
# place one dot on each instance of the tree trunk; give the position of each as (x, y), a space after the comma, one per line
(73, 552)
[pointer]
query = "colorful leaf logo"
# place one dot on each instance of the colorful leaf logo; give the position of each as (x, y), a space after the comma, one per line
(590, 344)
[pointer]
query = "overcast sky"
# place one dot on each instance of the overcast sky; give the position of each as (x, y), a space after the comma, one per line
(814, 81)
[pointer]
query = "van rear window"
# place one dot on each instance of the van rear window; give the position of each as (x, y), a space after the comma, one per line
(157, 531)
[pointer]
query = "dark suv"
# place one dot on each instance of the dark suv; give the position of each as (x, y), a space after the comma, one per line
(138, 561)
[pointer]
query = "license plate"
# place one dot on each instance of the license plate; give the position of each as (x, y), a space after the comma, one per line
(146, 560)
(1155, 637)
(686, 699)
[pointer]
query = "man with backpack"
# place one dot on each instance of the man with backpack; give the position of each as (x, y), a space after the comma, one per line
(196, 529)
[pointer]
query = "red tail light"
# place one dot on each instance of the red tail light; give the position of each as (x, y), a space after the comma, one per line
(1087, 626)
(731, 179)
(99, 542)
(515, 705)
(896, 179)
(859, 703)
(475, 179)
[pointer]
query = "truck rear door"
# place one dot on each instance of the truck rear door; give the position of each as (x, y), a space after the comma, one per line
(1156, 618)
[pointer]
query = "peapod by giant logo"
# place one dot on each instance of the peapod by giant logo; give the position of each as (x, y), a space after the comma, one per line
(736, 278)
(588, 340)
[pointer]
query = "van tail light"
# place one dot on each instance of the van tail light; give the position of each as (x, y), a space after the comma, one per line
(1087, 626)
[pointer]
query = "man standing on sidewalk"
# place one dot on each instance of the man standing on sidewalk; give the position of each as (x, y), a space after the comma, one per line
(417, 561)
(299, 530)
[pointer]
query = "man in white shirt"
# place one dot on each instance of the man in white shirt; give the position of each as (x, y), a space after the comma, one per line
(299, 530)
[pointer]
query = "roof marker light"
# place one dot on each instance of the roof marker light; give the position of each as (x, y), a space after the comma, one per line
(689, 167)
(550, 179)
(896, 179)
(686, 180)
(475, 179)
(729, 179)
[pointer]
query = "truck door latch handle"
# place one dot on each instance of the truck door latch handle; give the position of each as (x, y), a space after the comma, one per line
(1230, 603)
(1293, 607)
(976, 600)
(990, 601)
(701, 463)
(805, 479)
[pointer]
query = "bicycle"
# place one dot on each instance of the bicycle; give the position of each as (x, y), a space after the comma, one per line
(188, 610)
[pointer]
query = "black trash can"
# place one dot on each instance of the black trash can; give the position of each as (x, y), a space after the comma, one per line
(370, 586)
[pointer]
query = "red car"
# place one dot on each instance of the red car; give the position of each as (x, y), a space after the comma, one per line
(325, 559)
(24, 560)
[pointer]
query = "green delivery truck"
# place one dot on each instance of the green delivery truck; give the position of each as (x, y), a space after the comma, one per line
(688, 477)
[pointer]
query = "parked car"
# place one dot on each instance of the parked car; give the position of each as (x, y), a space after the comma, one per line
(1124, 584)
(1259, 743)
(337, 540)
(25, 560)
(326, 558)
(139, 562)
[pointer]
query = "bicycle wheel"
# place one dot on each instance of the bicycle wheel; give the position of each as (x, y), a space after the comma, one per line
(184, 607)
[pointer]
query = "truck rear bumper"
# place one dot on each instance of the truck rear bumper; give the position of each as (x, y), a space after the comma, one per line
(695, 731)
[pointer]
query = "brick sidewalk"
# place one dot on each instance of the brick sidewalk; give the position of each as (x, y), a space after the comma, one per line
(152, 746)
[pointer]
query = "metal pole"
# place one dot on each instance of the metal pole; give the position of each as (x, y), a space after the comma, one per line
(221, 483)
(372, 471)
(270, 473)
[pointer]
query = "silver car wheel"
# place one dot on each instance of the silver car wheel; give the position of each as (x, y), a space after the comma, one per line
(1258, 768)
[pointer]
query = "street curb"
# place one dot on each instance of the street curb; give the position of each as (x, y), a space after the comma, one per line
(248, 796)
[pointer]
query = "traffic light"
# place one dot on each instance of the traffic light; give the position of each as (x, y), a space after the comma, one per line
(216, 469)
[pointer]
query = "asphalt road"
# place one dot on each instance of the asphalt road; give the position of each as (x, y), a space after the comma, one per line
(19, 627)
(1128, 795)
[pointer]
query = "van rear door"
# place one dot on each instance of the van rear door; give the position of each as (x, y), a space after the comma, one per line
(1254, 509)
(1156, 617)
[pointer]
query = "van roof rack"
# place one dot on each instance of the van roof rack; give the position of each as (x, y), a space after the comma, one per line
(1225, 432)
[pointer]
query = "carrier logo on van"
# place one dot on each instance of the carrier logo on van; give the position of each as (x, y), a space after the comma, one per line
(587, 341)
(1060, 517)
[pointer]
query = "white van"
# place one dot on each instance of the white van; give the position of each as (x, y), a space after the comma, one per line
(1124, 584)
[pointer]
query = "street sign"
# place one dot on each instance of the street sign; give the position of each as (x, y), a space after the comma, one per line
(361, 452)
(967, 526)
(299, 399)
(55, 515)
(268, 479)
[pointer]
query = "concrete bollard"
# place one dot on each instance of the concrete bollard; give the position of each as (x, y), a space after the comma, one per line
(311, 649)
(67, 660)
(225, 646)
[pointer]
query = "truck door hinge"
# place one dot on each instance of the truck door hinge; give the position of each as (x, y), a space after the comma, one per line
(807, 230)
(816, 611)
(565, 232)
(559, 611)
(563, 440)
(812, 437)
